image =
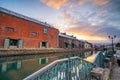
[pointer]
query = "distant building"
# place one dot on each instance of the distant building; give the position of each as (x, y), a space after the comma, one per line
(67, 41)
(87, 45)
(19, 31)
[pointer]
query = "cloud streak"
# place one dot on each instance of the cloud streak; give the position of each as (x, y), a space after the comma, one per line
(88, 19)
(72, 3)
(67, 16)
(100, 2)
(57, 4)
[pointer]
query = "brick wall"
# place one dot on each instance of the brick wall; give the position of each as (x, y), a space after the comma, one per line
(23, 30)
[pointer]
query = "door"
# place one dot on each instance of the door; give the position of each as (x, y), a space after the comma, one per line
(6, 43)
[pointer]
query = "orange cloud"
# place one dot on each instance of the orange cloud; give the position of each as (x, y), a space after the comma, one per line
(100, 2)
(71, 3)
(86, 33)
(57, 4)
(81, 1)
(67, 16)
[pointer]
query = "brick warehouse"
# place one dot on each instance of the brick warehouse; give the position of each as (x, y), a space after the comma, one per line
(20, 31)
(67, 41)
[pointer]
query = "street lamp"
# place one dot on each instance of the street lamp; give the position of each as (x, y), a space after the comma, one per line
(112, 38)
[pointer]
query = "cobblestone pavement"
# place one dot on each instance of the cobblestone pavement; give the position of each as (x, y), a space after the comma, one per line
(115, 74)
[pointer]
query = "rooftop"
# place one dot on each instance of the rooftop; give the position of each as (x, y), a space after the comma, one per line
(3, 10)
(67, 36)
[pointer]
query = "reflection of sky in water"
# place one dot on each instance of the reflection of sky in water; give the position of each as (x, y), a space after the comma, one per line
(17, 68)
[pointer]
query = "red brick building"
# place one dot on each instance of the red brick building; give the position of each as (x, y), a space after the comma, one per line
(20, 31)
(67, 41)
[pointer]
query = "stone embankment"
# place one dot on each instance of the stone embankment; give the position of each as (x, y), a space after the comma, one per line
(115, 72)
(38, 51)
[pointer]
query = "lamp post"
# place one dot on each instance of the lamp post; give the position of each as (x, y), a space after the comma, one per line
(112, 38)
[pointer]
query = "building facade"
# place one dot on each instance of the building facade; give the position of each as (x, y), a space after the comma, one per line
(67, 41)
(87, 45)
(19, 31)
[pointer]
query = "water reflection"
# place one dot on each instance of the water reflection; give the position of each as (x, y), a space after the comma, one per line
(43, 60)
(17, 68)
(86, 54)
(7, 66)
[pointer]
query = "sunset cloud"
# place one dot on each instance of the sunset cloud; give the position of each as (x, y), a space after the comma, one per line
(93, 32)
(72, 3)
(67, 16)
(100, 2)
(87, 19)
(86, 33)
(57, 4)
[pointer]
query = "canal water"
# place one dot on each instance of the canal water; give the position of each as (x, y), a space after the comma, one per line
(17, 68)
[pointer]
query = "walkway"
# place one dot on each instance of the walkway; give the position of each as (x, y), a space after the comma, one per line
(115, 75)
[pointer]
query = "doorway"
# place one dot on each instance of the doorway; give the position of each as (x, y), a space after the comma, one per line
(44, 44)
(13, 43)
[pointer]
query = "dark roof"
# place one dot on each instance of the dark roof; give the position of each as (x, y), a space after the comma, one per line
(23, 17)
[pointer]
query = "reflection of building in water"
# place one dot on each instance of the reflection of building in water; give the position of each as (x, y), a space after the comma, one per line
(43, 60)
(86, 54)
(17, 70)
(3, 67)
(19, 64)
(7, 66)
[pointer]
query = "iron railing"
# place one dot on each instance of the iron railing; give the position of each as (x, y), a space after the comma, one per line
(73, 68)
(64, 69)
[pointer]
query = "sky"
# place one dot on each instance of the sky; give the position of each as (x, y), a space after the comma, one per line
(91, 20)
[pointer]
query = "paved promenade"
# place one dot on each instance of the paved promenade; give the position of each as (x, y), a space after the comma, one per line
(115, 75)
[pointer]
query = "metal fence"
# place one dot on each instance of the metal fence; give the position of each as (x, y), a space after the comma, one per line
(73, 68)
(64, 69)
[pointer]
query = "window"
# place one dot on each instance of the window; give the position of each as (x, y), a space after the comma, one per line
(73, 45)
(9, 29)
(13, 42)
(44, 44)
(34, 33)
(45, 30)
(66, 45)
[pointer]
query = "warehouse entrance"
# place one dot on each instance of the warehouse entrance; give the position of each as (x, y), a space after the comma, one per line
(44, 44)
(12, 43)
(66, 45)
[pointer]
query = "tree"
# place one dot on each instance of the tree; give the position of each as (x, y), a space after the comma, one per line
(118, 44)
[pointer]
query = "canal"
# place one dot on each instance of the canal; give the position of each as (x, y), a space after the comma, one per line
(19, 67)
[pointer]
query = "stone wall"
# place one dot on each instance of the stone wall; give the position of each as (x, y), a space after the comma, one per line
(34, 51)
